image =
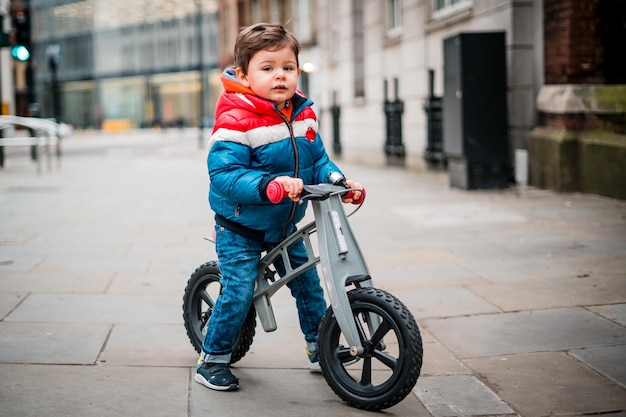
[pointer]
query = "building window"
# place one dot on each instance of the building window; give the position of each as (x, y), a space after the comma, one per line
(394, 14)
(443, 8)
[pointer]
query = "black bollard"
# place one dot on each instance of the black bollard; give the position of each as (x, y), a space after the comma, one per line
(433, 154)
(335, 111)
(394, 147)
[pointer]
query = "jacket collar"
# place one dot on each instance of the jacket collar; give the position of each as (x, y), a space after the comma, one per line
(232, 85)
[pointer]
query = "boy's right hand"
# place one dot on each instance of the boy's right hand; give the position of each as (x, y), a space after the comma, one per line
(292, 186)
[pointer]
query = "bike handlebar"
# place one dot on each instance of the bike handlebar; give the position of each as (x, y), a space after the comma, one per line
(275, 193)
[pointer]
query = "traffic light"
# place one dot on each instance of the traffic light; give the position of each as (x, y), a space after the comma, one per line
(22, 46)
(20, 52)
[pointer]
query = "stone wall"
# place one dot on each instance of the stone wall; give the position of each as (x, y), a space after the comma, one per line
(580, 141)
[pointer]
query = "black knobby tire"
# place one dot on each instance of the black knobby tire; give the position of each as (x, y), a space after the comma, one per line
(388, 370)
(201, 291)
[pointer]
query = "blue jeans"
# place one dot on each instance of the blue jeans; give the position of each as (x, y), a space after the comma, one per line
(238, 259)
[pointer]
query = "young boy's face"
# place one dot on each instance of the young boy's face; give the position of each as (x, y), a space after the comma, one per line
(272, 75)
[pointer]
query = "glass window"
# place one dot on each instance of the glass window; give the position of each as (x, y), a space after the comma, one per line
(394, 14)
(123, 99)
(447, 7)
(77, 103)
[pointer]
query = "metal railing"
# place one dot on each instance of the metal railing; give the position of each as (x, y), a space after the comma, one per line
(44, 134)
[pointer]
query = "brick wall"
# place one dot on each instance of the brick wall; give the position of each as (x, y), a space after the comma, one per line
(572, 43)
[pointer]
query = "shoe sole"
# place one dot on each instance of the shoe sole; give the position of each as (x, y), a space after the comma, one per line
(201, 380)
(315, 367)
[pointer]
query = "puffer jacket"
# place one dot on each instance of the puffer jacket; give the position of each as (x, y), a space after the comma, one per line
(252, 143)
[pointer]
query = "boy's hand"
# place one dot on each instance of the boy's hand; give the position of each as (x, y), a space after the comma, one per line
(355, 195)
(293, 186)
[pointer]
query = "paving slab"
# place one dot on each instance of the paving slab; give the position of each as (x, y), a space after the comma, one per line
(9, 300)
(611, 261)
(148, 344)
(95, 262)
(92, 391)
(610, 361)
(13, 261)
(437, 360)
(585, 289)
(455, 214)
(544, 241)
(285, 393)
(514, 268)
(615, 312)
(420, 256)
(549, 384)
(283, 348)
(54, 280)
(459, 395)
(400, 277)
(443, 302)
(525, 332)
(98, 308)
(52, 343)
(149, 283)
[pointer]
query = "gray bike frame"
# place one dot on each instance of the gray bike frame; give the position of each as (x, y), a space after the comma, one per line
(341, 260)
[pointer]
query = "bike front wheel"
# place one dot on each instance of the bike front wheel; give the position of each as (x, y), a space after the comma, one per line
(203, 288)
(388, 370)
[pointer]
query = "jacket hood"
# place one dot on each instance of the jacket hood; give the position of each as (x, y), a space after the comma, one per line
(240, 98)
(231, 84)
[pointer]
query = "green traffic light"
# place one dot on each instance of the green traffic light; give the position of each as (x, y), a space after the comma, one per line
(20, 52)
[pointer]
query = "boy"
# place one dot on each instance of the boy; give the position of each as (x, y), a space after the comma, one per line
(264, 130)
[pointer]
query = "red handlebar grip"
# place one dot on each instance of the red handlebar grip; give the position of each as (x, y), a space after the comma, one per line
(361, 197)
(275, 192)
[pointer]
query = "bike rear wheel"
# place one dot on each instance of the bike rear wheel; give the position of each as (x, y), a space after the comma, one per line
(389, 368)
(203, 288)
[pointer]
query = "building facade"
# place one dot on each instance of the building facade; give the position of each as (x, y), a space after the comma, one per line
(373, 49)
(126, 64)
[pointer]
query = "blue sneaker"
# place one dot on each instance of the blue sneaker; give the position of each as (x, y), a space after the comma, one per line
(216, 376)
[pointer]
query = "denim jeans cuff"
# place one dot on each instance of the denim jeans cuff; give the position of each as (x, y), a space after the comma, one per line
(209, 358)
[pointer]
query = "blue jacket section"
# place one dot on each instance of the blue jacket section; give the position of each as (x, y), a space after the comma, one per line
(252, 143)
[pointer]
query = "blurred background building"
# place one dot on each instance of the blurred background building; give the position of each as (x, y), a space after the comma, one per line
(115, 64)
(494, 91)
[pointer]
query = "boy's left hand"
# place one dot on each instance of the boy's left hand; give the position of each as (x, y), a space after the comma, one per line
(356, 194)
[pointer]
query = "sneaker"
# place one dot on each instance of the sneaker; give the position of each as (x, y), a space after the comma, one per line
(314, 361)
(216, 376)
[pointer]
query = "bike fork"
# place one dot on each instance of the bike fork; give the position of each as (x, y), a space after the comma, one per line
(342, 263)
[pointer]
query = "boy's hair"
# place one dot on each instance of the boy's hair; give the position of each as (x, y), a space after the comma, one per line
(262, 37)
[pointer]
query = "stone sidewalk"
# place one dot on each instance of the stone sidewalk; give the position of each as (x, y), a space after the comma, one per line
(520, 294)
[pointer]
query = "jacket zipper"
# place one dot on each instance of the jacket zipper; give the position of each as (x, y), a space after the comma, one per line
(295, 171)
